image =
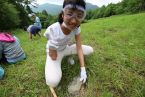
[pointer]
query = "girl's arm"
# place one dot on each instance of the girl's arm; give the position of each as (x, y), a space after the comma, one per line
(83, 75)
(79, 50)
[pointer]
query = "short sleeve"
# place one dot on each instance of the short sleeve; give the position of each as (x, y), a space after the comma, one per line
(29, 28)
(51, 36)
(46, 34)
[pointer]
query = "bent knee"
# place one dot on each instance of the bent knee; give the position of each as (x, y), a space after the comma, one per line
(87, 50)
(53, 82)
(53, 78)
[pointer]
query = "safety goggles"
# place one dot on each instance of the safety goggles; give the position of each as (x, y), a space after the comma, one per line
(70, 13)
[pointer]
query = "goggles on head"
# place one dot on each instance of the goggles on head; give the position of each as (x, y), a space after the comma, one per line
(79, 15)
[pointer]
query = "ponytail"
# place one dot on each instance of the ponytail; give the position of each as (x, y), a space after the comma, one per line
(60, 19)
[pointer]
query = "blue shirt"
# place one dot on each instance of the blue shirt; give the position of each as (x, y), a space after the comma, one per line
(37, 22)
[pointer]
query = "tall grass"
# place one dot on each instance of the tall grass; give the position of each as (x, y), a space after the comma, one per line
(115, 69)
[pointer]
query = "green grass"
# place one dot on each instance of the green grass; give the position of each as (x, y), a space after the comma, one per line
(115, 69)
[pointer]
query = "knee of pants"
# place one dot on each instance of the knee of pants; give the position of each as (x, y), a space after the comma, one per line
(87, 50)
(53, 76)
(53, 71)
(52, 82)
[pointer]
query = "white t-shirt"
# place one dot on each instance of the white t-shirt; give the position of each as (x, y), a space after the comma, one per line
(56, 38)
(28, 29)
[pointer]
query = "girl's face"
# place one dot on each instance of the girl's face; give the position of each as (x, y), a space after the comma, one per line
(72, 18)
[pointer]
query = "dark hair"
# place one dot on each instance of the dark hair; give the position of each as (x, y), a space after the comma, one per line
(74, 3)
(60, 19)
(25, 28)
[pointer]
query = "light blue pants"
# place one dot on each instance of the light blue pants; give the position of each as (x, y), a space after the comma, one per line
(1, 72)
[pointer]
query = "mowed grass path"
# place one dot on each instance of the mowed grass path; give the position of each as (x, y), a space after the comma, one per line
(115, 69)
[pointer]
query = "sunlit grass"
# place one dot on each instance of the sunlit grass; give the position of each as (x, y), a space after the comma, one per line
(115, 69)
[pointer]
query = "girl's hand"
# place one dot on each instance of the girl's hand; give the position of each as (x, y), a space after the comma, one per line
(83, 75)
(53, 54)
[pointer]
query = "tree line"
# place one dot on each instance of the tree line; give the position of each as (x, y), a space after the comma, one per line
(14, 13)
(123, 7)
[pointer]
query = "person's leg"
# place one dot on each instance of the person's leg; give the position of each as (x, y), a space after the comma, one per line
(38, 31)
(72, 50)
(39, 34)
(53, 71)
(30, 35)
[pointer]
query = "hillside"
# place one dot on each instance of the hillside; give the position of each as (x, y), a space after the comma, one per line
(115, 69)
(55, 9)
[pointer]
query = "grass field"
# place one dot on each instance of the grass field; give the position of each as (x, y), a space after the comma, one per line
(115, 69)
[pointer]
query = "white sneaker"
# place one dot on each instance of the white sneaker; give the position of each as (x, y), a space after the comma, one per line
(71, 61)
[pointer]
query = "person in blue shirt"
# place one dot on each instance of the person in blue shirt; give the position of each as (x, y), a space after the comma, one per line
(36, 19)
(33, 30)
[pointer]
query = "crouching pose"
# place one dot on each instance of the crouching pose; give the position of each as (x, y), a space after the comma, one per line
(10, 50)
(33, 30)
(59, 34)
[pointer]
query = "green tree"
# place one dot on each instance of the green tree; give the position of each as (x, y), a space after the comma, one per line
(100, 12)
(90, 14)
(133, 6)
(45, 12)
(118, 8)
(109, 10)
(28, 9)
(23, 8)
(136, 5)
(8, 16)
(46, 19)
